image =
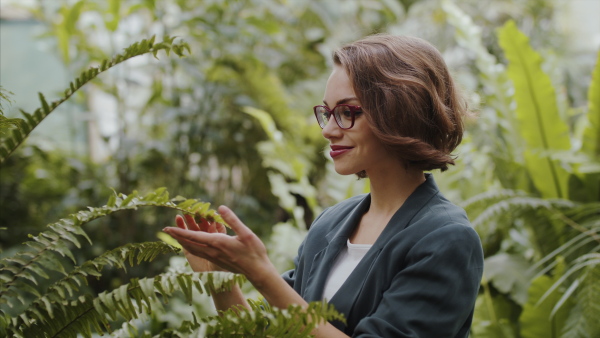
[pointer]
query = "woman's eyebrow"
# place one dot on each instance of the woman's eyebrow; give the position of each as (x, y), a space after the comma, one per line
(343, 101)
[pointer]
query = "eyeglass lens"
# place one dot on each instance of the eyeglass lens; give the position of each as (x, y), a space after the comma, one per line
(342, 114)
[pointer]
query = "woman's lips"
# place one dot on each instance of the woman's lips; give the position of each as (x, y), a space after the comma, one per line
(339, 150)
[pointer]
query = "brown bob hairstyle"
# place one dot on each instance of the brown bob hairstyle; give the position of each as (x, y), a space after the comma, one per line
(410, 99)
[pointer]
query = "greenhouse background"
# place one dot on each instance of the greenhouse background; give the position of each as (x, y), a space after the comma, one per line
(229, 121)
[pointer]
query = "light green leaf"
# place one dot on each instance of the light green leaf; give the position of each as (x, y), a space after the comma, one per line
(114, 8)
(73, 16)
(63, 36)
(509, 274)
(591, 137)
(540, 124)
(266, 121)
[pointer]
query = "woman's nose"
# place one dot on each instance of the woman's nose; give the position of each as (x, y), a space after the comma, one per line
(331, 130)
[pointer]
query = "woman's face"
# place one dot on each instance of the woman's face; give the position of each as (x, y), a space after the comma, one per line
(355, 149)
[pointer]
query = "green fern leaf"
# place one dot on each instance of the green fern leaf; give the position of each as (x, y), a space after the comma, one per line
(28, 117)
(56, 292)
(265, 321)
(45, 106)
(23, 267)
(10, 143)
(582, 321)
(536, 319)
(129, 198)
(79, 315)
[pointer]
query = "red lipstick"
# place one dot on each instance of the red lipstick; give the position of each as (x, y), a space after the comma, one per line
(337, 150)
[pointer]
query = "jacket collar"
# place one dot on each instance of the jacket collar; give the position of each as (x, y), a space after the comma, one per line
(399, 221)
(348, 293)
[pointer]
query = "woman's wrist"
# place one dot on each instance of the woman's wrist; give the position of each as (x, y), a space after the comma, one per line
(261, 278)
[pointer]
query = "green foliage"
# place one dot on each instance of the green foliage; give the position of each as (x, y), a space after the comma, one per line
(540, 124)
(6, 123)
(66, 308)
(45, 289)
(265, 321)
(10, 143)
(233, 125)
(591, 139)
(540, 227)
(538, 318)
(86, 314)
(20, 272)
(495, 315)
(582, 321)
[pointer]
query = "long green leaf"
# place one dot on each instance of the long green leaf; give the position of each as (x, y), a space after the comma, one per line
(591, 136)
(590, 139)
(540, 123)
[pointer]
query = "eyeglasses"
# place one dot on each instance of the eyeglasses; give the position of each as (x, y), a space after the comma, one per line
(344, 115)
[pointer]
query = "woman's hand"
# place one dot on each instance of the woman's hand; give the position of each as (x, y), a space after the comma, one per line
(197, 263)
(243, 253)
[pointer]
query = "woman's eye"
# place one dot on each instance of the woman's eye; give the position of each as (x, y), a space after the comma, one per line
(346, 113)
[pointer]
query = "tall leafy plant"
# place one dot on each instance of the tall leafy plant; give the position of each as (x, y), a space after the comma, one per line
(540, 234)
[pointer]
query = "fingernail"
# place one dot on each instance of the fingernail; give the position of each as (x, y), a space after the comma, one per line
(165, 230)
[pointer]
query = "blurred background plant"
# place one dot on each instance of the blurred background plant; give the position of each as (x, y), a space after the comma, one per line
(232, 124)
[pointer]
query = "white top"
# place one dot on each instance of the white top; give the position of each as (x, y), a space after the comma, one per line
(344, 264)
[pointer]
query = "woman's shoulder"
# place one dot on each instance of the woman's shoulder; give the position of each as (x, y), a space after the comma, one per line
(333, 215)
(346, 205)
(442, 209)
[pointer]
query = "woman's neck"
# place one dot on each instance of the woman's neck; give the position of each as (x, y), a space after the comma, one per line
(391, 188)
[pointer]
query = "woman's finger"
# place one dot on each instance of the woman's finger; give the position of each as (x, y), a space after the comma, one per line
(201, 244)
(221, 228)
(234, 222)
(213, 227)
(180, 222)
(191, 222)
(197, 237)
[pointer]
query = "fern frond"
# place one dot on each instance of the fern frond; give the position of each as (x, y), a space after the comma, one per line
(11, 142)
(25, 265)
(185, 330)
(129, 301)
(67, 288)
(583, 262)
(476, 204)
(266, 321)
(566, 250)
(517, 205)
(586, 213)
(582, 320)
(7, 124)
(584, 218)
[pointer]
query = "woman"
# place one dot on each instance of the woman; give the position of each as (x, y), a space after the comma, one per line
(401, 261)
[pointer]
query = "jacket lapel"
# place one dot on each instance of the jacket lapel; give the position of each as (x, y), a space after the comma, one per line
(324, 259)
(348, 294)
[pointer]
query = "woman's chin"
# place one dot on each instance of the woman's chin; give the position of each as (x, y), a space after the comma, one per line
(345, 170)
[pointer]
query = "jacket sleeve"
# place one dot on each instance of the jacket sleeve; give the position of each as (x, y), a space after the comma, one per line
(434, 294)
(290, 275)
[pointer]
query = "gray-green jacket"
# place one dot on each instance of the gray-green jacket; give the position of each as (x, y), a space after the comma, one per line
(419, 279)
